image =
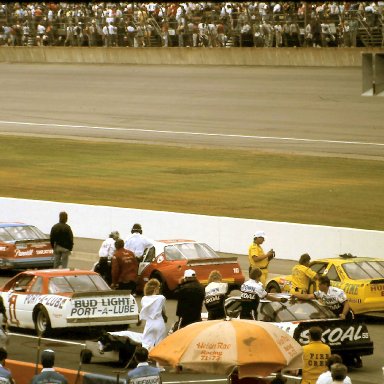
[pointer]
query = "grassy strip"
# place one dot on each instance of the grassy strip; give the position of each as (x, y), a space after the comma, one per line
(304, 189)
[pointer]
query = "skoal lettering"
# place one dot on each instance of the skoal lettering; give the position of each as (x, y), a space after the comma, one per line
(336, 335)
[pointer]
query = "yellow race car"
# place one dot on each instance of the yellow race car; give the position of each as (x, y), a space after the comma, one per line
(361, 278)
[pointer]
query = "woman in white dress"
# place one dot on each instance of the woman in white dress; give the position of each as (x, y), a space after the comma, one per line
(153, 312)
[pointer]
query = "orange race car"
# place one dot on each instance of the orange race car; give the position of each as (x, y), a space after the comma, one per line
(23, 246)
(168, 259)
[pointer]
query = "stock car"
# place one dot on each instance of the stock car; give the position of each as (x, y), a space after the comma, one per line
(168, 259)
(361, 278)
(65, 298)
(23, 246)
(350, 340)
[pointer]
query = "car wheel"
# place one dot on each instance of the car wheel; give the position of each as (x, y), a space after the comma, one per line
(273, 287)
(86, 356)
(164, 287)
(42, 322)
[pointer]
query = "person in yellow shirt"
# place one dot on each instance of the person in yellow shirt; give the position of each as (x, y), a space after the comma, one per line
(315, 356)
(302, 275)
(257, 257)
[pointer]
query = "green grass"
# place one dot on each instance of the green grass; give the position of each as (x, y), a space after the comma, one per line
(301, 189)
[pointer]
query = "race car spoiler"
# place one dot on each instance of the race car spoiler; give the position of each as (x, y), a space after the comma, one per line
(113, 293)
(218, 260)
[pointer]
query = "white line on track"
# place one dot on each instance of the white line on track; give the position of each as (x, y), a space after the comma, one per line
(195, 133)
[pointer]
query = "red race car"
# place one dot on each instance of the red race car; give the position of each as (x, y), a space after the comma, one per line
(168, 259)
(23, 246)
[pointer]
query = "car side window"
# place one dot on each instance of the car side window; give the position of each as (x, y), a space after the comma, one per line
(266, 312)
(149, 255)
(332, 274)
(318, 267)
(21, 285)
(172, 253)
(37, 286)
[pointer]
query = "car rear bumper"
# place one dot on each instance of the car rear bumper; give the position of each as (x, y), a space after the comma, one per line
(27, 263)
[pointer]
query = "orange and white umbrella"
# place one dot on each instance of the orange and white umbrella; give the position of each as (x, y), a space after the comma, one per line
(256, 348)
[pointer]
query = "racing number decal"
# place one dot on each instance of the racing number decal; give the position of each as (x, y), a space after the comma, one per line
(236, 270)
(12, 310)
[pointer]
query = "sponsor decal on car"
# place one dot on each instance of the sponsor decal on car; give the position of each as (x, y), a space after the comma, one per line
(104, 306)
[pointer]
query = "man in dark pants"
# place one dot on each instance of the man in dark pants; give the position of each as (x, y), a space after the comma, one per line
(61, 241)
(190, 295)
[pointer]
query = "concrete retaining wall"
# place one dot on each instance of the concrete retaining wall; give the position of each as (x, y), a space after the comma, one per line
(224, 234)
(312, 57)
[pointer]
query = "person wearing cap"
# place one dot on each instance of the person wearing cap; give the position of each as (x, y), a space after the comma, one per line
(48, 373)
(257, 257)
(106, 252)
(302, 275)
(136, 242)
(190, 296)
(5, 374)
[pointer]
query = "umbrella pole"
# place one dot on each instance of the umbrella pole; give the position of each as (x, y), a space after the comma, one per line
(118, 376)
(80, 365)
(38, 354)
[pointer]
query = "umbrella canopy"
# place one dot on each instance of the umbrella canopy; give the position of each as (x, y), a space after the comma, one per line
(257, 348)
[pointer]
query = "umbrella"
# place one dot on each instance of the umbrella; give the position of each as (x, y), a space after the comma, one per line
(256, 348)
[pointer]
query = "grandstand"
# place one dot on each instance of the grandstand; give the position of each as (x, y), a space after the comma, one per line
(203, 24)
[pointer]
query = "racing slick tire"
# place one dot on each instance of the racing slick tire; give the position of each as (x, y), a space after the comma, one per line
(164, 287)
(86, 356)
(42, 322)
(273, 287)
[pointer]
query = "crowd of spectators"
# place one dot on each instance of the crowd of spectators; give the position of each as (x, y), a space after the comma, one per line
(189, 24)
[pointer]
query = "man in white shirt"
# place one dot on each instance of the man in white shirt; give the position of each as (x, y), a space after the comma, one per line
(326, 377)
(136, 242)
(106, 252)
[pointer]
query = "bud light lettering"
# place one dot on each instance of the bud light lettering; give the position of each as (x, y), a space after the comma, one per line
(337, 335)
(109, 306)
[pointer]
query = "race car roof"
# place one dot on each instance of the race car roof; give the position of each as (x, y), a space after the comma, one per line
(14, 224)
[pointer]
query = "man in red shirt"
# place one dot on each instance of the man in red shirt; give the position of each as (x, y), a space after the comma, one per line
(124, 268)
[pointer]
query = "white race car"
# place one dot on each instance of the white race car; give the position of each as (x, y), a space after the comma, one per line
(63, 298)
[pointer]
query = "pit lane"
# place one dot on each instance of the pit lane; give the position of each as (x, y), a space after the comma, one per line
(68, 344)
